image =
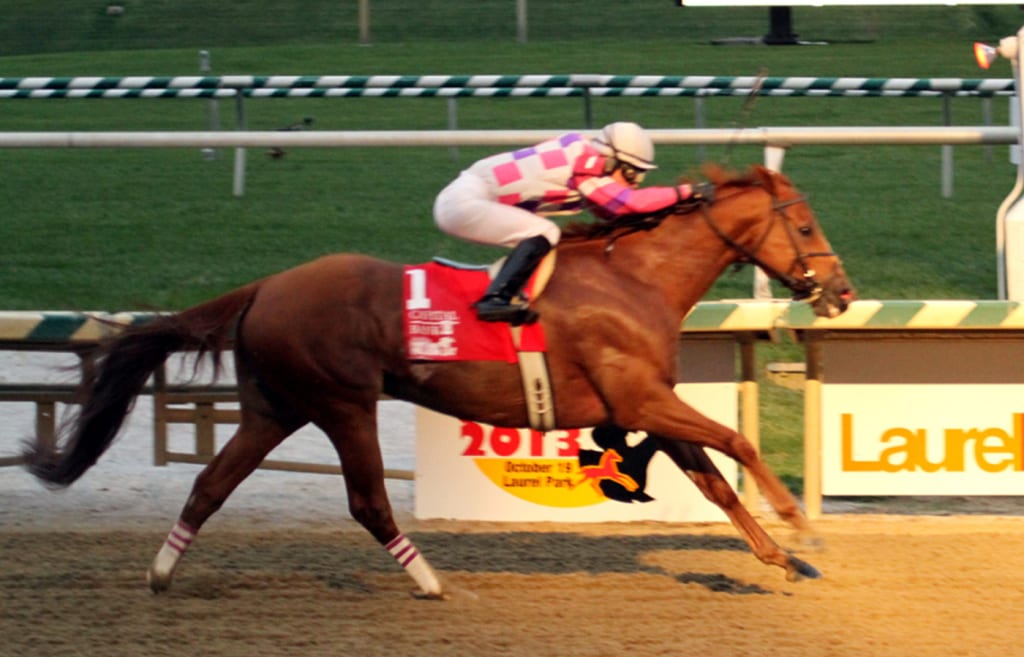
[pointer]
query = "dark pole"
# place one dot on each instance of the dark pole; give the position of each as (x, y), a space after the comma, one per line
(781, 27)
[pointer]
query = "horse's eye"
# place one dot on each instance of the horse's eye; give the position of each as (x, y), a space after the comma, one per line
(805, 231)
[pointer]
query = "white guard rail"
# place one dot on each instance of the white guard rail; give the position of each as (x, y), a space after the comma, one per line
(779, 137)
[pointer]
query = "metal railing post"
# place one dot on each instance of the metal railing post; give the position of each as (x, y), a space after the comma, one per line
(239, 180)
(947, 149)
(213, 106)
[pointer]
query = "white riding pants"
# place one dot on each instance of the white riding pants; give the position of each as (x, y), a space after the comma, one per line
(467, 209)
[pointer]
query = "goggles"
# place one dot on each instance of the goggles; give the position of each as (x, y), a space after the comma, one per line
(631, 174)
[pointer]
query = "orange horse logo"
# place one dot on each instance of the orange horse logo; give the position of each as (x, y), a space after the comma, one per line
(607, 469)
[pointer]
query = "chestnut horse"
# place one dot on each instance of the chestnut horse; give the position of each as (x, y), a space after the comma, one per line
(323, 341)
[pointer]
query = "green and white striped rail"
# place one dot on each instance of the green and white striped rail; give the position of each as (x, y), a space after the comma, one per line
(959, 315)
(116, 93)
(71, 326)
(738, 316)
(64, 326)
(974, 85)
(709, 316)
(290, 86)
(467, 92)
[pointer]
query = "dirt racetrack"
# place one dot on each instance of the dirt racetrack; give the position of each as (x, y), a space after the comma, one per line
(282, 570)
(894, 585)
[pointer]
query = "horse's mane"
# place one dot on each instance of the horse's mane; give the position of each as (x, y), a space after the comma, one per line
(716, 174)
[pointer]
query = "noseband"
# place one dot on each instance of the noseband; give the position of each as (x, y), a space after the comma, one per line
(805, 287)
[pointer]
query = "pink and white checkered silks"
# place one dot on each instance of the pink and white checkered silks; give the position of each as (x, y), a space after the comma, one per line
(503, 199)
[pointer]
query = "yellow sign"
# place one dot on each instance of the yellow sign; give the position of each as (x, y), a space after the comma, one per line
(551, 482)
(991, 449)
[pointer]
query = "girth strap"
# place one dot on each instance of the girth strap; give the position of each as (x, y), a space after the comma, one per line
(533, 369)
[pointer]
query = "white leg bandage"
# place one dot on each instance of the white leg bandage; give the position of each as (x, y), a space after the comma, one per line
(406, 554)
(167, 558)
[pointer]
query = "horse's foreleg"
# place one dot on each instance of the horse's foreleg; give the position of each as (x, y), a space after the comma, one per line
(666, 415)
(162, 569)
(255, 438)
(693, 461)
(355, 440)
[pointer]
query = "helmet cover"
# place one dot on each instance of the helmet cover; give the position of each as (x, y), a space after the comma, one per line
(627, 142)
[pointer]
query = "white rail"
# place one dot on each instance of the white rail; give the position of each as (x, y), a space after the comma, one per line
(765, 136)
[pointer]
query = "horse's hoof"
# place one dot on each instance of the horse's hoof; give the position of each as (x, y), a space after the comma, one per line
(419, 594)
(156, 583)
(799, 569)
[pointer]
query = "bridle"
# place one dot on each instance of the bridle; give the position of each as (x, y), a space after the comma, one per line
(805, 287)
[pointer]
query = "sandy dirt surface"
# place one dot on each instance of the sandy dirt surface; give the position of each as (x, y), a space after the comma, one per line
(893, 586)
(283, 570)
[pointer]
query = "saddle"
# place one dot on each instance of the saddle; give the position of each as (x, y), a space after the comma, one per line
(533, 288)
(440, 325)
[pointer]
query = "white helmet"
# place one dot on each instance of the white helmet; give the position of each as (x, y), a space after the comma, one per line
(627, 142)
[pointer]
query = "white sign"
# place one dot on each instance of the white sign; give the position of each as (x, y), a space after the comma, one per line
(837, 3)
(472, 471)
(1015, 123)
(923, 439)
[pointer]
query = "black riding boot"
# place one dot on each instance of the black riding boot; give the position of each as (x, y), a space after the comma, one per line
(496, 304)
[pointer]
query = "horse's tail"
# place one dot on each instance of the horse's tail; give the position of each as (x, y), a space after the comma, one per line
(119, 371)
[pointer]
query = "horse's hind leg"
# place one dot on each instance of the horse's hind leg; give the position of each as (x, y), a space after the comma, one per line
(354, 436)
(256, 436)
(698, 466)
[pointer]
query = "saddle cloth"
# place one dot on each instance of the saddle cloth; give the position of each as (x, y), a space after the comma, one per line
(440, 321)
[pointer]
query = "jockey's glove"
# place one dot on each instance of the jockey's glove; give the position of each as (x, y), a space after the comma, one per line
(693, 196)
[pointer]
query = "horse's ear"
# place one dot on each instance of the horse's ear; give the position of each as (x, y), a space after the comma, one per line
(768, 178)
(714, 173)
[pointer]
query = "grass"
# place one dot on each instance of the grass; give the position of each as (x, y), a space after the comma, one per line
(84, 25)
(125, 229)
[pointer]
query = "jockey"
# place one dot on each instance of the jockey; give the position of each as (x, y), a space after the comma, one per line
(503, 200)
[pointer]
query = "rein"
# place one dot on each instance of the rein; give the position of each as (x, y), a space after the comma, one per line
(634, 224)
(804, 288)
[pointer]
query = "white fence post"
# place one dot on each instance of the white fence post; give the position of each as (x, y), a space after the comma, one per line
(238, 188)
(521, 21)
(364, 22)
(453, 124)
(947, 150)
(1010, 216)
(213, 107)
(773, 157)
(699, 122)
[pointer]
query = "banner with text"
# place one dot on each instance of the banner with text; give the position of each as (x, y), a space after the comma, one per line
(473, 471)
(922, 439)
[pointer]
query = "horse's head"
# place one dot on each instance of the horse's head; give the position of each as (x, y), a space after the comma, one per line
(776, 230)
